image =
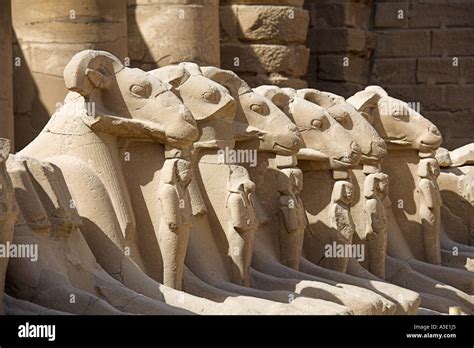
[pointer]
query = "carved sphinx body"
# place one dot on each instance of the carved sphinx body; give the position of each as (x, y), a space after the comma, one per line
(320, 152)
(316, 158)
(247, 225)
(373, 150)
(218, 130)
(407, 134)
(123, 103)
(66, 275)
(80, 137)
(116, 102)
(410, 138)
(260, 125)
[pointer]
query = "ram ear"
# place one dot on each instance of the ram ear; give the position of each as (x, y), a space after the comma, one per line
(192, 68)
(364, 100)
(226, 78)
(175, 75)
(317, 97)
(90, 69)
(379, 90)
(4, 148)
(277, 95)
(368, 116)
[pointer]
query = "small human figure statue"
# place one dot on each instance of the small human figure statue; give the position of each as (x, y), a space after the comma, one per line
(376, 237)
(341, 223)
(293, 216)
(176, 219)
(430, 208)
(243, 223)
(9, 211)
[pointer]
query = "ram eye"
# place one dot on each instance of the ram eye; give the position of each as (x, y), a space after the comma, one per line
(139, 91)
(398, 114)
(316, 123)
(341, 120)
(257, 108)
(211, 96)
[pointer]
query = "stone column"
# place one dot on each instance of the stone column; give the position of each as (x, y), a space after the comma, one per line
(264, 43)
(48, 34)
(6, 86)
(164, 32)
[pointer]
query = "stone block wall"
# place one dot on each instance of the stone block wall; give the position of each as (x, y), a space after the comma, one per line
(433, 49)
(421, 51)
(263, 41)
(341, 45)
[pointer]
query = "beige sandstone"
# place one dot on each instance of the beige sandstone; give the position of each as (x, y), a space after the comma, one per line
(302, 283)
(251, 131)
(267, 142)
(135, 208)
(406, 301)
(407, 142)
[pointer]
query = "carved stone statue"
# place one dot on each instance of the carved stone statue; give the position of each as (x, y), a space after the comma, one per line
(257, 124)
(341, 223)
(64, 275)
(320, 155)
(408, 142)
(87, 133)
(175, 208)
(376, 202)
(293, 216)
(8, 214)
(111, 102)
(429, 209)
(243, 223)
(132, 209)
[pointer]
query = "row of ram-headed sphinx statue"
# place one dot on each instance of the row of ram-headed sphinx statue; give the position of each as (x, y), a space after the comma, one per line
(182, 190)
